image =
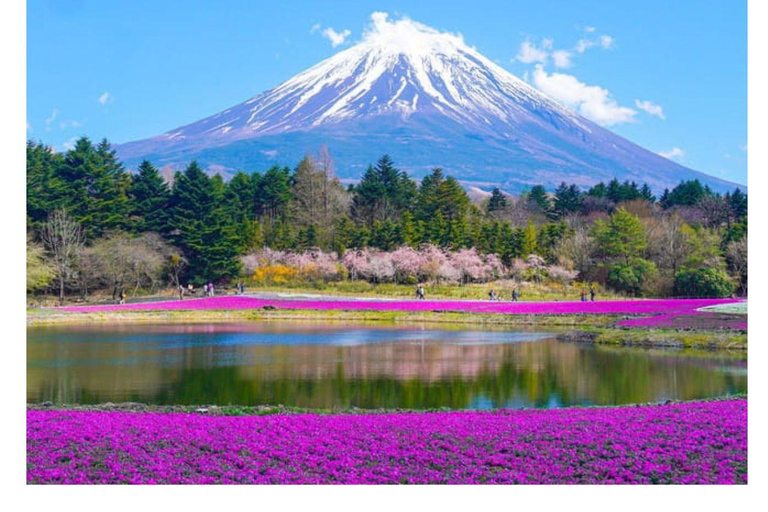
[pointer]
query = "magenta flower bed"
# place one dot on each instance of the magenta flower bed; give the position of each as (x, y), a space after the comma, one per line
(618, 307)
(691, 443)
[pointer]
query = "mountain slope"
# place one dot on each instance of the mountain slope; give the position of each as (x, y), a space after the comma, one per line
(426, 99)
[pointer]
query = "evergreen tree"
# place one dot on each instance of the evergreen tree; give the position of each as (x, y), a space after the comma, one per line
(274, 194)
(149, 195)
(647, 194)
(621, 236)
(497, 202)
(383, 193)
(567, 200)
(539, 198)
(97, 187)
(201, 227)
(738, 204)
(46, 191)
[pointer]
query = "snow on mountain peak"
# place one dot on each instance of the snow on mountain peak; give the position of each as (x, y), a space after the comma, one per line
(408, 37)
(400, 68)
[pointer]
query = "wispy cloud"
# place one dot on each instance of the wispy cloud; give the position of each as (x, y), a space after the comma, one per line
(583, 45)
(105, 98)
(673, 154)
(591, 101)
(336, 38)
(50, 119)
(315, 28)
(71, 123)
(650, 108)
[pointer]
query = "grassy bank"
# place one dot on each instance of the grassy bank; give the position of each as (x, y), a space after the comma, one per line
(706, 340)
(268, 410)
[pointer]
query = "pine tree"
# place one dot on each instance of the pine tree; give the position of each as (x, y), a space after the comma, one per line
(149, 195)
(46, 191)
(201, 227)
(383, 193)
(497, 202)
(97, 188)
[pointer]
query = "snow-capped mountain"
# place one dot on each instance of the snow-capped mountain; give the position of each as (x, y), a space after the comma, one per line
(428, 100)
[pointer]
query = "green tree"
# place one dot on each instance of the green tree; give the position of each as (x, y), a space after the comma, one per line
(46, 191)
(149, 195)
(383, 193)
(97, 187)
(568, 200)
(201, 227)
(529, 242)
(497, 202)
(622, 236)
(703, 282)
(633, 276)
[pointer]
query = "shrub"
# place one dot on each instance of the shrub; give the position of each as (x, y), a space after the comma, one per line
(633, 277)
(703, 282)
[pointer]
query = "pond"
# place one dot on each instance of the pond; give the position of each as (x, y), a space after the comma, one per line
(367, 366)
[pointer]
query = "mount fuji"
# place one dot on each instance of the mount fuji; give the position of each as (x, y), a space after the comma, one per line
(428, 100)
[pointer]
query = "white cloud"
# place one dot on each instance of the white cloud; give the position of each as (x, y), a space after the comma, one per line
(69, 124)
(105, 98)
(589, 29)
(69, 144)
(270, 153)
(314, 28)
(49, 120)
(336, 38)
(562, 58)
(606, 42)
(547, 43)
(590, 101)
(650, 108)
(530, 53)
(29, 126)
(583, 45)
(674, 153)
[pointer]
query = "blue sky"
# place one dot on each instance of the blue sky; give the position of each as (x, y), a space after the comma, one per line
(670, 76)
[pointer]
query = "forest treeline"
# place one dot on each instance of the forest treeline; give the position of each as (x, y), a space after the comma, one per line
(94, 225)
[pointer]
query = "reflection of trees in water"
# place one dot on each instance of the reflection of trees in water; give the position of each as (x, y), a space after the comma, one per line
(407, 375)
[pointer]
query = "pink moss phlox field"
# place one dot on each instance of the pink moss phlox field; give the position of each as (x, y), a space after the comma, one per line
(689, 443)
(616, 307)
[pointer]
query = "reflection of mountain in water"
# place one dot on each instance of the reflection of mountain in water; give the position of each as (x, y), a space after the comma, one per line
(407, 371)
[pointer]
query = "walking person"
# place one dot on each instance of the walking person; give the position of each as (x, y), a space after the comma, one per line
(122, 297)
(210, 289)
(515, 295)
(583, 296)
(420, 292)
(592, 293)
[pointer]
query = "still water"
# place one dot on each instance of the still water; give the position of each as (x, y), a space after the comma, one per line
(326, 366)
